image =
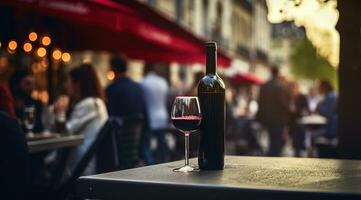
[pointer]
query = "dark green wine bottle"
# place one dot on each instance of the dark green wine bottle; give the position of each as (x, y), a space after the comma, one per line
(211, 94)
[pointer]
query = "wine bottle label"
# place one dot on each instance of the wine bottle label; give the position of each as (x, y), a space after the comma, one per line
(211, 147)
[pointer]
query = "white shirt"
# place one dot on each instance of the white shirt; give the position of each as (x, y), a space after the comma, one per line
(88, 117)
(156, 93)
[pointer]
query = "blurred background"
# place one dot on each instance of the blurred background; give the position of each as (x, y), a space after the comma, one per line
(51, 38)
(254, 35)
(132, 58)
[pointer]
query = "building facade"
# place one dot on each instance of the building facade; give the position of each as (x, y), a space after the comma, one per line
(240, 27)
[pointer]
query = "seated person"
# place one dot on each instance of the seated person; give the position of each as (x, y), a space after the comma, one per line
(22, 86)
(327, 108)
(88, 113)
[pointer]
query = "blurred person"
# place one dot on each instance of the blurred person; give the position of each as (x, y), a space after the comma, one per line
(328, 108)
(88, 113)
(298, 109)
(156, 93)
(243, 121)
(252, 101)
(313, 99)
(6, 101)
(273, 111)
(14, 162)
(22, 85)
(125, 97)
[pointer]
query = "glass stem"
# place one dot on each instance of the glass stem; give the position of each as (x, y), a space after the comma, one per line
(186, 148)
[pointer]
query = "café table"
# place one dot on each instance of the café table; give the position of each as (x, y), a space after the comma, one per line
(311, 123)
(59, 141)
(243, 178)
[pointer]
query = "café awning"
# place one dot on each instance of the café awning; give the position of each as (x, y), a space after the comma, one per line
(250, 78)
(127, 27)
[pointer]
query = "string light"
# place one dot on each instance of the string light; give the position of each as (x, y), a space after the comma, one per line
(57, 54)
(66, 57)
(41, 52)
(27, 47)
(13, 45)
(33, 36)
(45, 40)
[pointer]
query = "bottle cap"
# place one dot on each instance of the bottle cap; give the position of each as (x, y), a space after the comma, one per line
(211, 44)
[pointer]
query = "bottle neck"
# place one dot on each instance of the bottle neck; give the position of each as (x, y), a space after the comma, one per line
(211, 59)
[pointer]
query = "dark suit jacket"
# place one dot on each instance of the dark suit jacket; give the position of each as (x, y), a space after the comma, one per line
(125, 98)
(273, 103)
(14, 174)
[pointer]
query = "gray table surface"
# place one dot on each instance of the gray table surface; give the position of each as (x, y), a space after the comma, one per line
(243, 178)
(63, 141)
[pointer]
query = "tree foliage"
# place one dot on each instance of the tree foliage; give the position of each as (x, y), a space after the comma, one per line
(306, 63)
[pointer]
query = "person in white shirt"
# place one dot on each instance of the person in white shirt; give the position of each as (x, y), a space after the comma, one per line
(156, 92)
(88, 115)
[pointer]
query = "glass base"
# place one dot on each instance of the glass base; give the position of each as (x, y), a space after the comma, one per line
(185, 169)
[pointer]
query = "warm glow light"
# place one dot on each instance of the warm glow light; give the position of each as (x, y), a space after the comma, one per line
(27, 47)
(0, 44)
(44, 97)
(33, 36)
(13, 45)
(66, 57)
(41, 52)
(35, 94)
(57, 54)
(110, 75)
(46, 40)
(319, 18)
(3, 63)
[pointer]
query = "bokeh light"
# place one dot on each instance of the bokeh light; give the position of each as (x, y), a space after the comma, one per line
(13, 45)
(41, 52)
(57, 54)
(110, 75)
(33, 36)
(66, 57)
(45, 40)
(27, 47)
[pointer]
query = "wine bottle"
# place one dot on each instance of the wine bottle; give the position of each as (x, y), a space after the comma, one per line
(211, 94)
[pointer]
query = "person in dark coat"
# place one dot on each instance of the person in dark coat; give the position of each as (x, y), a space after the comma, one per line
(14, 173)
(273, 112)
(124, 96)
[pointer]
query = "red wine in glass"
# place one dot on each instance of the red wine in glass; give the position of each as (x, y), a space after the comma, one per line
(187, 123)
(186, 117)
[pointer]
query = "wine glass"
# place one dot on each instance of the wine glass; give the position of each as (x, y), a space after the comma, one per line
(186, 117)
(29, 119)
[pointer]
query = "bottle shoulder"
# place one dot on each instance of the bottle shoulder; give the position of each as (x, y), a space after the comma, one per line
(211, 83)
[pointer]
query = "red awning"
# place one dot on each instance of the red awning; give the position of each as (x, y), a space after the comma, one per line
(249, 78)
(128, 27)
